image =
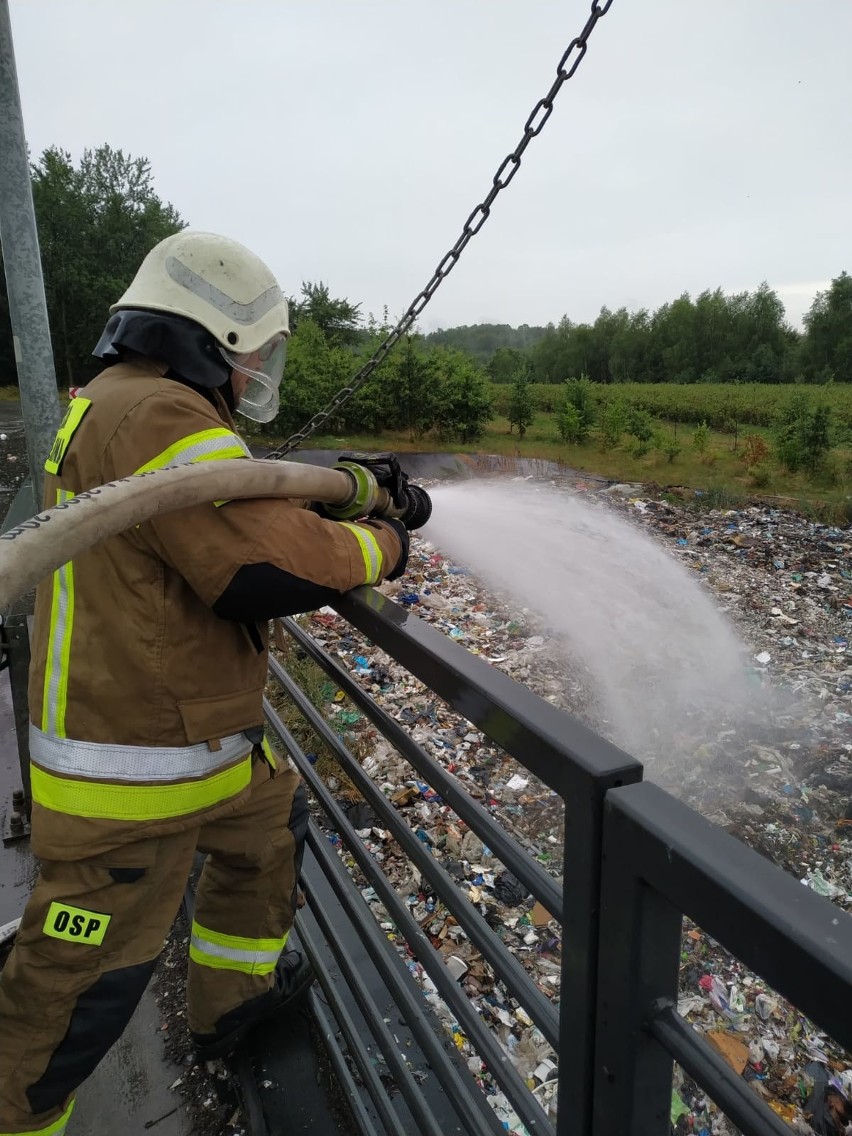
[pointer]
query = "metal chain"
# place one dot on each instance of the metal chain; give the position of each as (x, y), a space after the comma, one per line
(507, 169)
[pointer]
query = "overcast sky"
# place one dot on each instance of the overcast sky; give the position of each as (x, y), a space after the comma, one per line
(699, 144)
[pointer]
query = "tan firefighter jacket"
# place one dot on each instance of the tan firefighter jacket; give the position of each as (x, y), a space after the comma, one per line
(139, 693)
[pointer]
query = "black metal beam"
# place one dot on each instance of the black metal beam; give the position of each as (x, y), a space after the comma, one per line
(341, 1069)
(502, 1070)
(507, 850)
(493, 950)
(478, 1119)
(639, 956)
(731, 1093)
(347, 942)
(16, 630)
(390, 1049)
(797, 941)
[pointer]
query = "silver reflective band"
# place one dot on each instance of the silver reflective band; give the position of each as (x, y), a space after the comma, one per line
(235, 954)
(248, 313)
(72, 758)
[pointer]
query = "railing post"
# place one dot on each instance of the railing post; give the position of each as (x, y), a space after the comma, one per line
(640, 937)
(577, 999)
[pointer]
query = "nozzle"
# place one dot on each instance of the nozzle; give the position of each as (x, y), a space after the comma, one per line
(380, 489)
(419, 507)
(366, 496)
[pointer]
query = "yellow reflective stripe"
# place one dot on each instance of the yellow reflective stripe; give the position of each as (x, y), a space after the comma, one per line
(271, 759)
(369, 550)
(137, 802)
(55, 699)
(207, 445)
(56, 1128)
(73, 417)
(234, 952)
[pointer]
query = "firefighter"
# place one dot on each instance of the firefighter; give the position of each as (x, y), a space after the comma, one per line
(148, 664)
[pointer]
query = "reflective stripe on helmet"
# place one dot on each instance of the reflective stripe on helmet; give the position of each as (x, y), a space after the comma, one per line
(234, 952)
(248, 313)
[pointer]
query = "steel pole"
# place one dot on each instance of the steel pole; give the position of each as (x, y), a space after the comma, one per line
(21, 260)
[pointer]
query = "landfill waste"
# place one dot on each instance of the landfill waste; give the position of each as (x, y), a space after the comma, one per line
(779, 779)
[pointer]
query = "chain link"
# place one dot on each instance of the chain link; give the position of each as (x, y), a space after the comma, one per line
(541, 112)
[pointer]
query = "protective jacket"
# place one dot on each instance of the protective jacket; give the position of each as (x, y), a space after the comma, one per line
(140, 694)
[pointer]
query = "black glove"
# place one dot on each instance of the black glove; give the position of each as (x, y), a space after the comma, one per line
(401, 531)
(419, 507)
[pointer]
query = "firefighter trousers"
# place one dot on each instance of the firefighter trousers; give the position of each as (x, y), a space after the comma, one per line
(93, 930)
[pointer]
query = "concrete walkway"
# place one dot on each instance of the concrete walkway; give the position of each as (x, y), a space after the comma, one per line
(129, 1091)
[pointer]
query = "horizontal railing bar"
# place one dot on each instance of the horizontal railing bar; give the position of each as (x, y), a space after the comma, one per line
(461, 1093)
(561, 751)
(493, 950)
(797, 941)
(363, 1121)
(731, 1093)
(249, 1093)
(483, 1041)
(375, 1019)
(355, 1045)
(508, 851)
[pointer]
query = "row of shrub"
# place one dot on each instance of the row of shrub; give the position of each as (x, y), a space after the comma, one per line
(722, 406)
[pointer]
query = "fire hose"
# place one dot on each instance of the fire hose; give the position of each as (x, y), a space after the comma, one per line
(361, 485)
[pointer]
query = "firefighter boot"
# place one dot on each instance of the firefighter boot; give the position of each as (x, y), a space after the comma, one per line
(293, 977)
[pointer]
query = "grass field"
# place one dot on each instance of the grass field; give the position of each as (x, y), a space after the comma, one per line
(719, 470)
(733, 411)
(720, 405)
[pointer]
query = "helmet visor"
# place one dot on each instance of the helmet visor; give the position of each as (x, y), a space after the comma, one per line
(264, 369)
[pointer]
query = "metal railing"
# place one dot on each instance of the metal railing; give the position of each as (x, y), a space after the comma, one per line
(662, 861)
(635, 861)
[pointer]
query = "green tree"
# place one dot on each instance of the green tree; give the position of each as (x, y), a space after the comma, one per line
(639, 423)
(803, 434)
(579, 393)
(483, 340)
(827, 347)
(521, 406)
(96, 223)
(507, 364)
(701, 437)
(612, 423)
(338, 319)
(315, 371)
(570, 425)
(410, 389)
(464, 405)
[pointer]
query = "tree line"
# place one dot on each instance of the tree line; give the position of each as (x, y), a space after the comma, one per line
(97, 219)
(482, 340)
(714, 338)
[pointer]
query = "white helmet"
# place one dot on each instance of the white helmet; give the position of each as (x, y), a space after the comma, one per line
(221, 285)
